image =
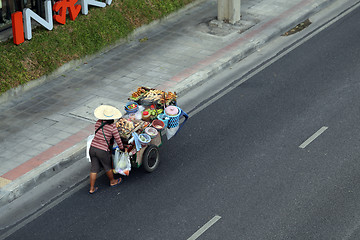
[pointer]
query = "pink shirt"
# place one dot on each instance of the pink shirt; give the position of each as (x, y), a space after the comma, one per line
(109, 131)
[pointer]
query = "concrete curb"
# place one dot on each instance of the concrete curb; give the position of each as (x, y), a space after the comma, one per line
(23, 184)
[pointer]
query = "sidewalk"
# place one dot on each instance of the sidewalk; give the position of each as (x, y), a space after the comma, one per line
(43, 129)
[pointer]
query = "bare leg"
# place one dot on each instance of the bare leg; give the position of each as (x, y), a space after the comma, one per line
(111, 177)
(92, 182)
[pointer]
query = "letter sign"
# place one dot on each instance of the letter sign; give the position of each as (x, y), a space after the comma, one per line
(21, 21)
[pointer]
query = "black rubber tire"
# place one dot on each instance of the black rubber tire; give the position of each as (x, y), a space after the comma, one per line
(151, 158)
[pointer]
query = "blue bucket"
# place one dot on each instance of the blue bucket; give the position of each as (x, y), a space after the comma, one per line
(164, 118)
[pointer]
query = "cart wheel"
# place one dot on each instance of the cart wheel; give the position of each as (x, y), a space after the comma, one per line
(151, 158)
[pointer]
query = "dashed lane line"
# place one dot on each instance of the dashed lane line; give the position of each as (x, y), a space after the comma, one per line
(313, 137)
(207, 225)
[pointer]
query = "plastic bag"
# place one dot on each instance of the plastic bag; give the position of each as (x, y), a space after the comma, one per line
(137, 141)
(170, 132)
(122, 163)
(88, 144)
(138, 114)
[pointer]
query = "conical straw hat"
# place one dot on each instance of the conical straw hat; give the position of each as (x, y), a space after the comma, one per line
(107, 112)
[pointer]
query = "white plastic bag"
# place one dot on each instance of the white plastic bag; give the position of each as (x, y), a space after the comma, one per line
(170, 132)
(88, 144)
(122, 163)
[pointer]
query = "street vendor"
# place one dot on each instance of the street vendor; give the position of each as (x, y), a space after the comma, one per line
(100, 149)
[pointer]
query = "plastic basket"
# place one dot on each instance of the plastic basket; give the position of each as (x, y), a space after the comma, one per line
(131, 110)
(164, 118)
(173, 120)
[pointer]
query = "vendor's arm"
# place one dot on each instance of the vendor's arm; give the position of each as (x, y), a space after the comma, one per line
(116, 135)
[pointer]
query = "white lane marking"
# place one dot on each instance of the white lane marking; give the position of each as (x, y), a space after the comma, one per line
(204, 228)
(313, 137)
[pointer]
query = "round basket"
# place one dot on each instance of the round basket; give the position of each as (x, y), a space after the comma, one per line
(144, 138)
(158, 124)
(173, 120)
(128, 109)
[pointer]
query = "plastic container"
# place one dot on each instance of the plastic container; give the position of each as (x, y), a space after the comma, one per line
(151, 131)
(158, 124)
(144, 138)
(172, 111)
(164, 118)
(131, 107)
(146, 115)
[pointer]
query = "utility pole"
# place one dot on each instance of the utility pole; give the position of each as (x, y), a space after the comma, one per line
(229, 10)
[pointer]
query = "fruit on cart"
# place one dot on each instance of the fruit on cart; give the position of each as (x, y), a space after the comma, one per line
(132, 106)
(155, 112)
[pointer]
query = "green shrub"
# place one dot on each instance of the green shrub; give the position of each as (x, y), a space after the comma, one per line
(88, 34)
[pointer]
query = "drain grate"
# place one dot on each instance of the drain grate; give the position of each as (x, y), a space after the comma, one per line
(298, 28)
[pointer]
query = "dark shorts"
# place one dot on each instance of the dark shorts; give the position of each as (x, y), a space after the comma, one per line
(99, 159)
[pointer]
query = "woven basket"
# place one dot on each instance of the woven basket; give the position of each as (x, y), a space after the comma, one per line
(173, 120)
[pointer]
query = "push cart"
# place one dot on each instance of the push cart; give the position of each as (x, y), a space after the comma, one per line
(148, 156)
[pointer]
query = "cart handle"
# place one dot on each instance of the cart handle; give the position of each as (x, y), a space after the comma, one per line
(182, 114)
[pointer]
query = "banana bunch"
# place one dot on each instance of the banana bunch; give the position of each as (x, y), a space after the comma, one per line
(155, 112)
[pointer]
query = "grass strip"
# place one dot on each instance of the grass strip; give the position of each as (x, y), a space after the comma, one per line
(87, 35)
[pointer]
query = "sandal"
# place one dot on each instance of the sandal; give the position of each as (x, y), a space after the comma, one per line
(118, 181)
(94, 190)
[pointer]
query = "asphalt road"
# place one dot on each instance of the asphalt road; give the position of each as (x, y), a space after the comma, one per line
(245, 166)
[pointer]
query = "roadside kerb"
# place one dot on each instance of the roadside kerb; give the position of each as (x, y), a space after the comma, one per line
(48, 166)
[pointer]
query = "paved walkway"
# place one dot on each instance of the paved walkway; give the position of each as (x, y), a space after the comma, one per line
(43, 129)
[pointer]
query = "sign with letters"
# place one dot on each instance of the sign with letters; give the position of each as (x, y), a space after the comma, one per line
(21, 21)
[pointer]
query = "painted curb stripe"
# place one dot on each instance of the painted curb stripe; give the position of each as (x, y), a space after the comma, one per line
(4, 181)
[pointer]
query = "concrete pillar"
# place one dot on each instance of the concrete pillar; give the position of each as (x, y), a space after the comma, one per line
(223, 7)
(229, 10)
